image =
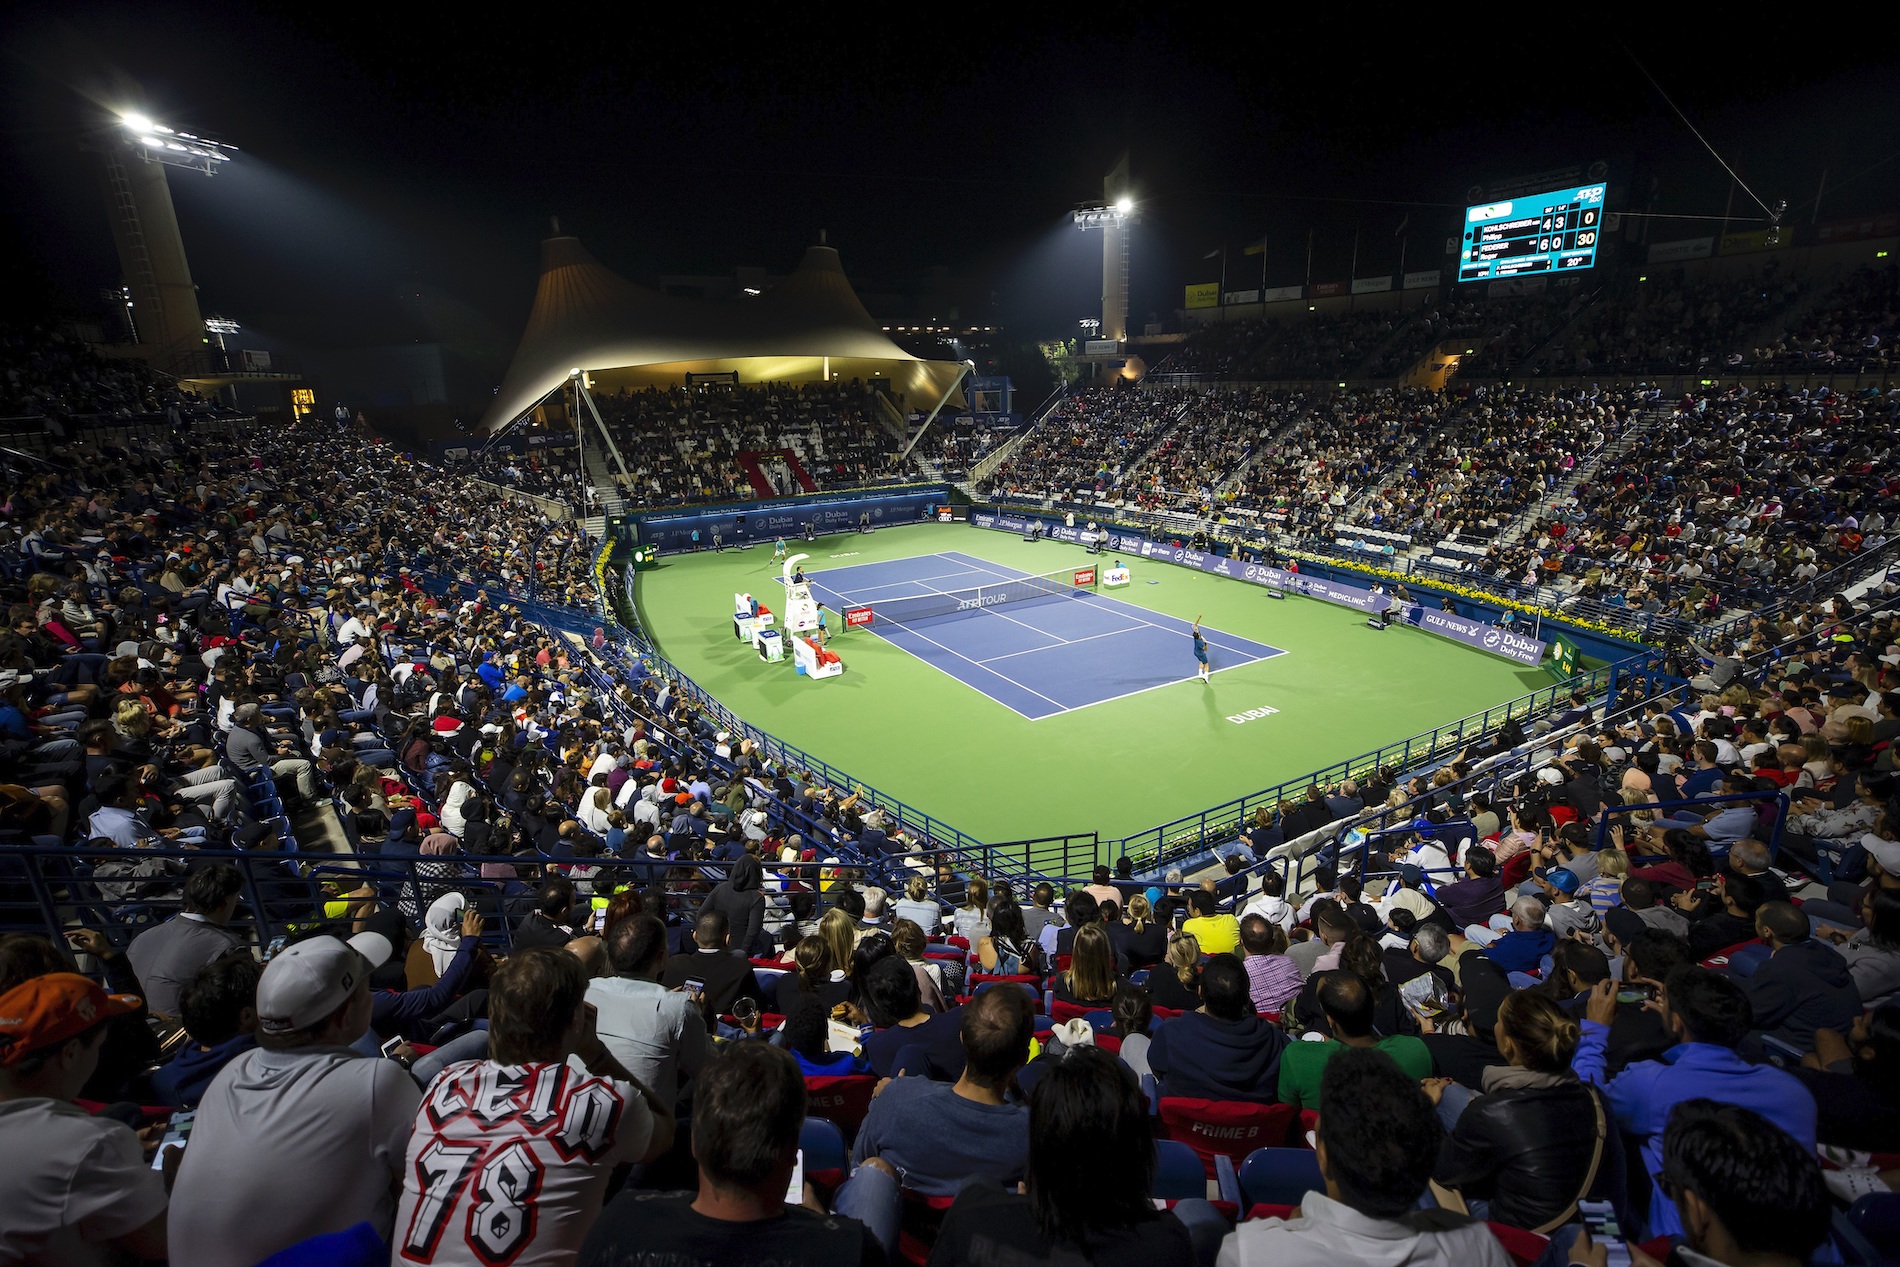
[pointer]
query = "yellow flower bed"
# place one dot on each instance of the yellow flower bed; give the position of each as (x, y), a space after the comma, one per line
(1471, 592)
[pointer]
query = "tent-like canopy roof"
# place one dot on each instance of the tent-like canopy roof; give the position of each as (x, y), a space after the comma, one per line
(586, 317)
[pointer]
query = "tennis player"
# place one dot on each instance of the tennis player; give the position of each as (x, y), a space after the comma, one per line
(778, 552)
(1200, 650)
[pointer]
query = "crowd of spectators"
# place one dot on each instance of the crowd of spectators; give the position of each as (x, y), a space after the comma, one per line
(1269, 348)
(632, 951)
(1852, 331)
(682, 444)
(49, 373)
(1676, 325)
(1088, 445)
(1730, 499)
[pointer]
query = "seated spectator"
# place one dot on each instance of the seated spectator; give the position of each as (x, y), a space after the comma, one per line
(1723, 916)
(1348, 1004)
(1708, 1016)
(807, 1035)
(723, 975)
(76, 1188)
(919, 907)
(1425, 952)
(971, 919)
(350, 1116)
(1855, 1080)
(1006, 949)
(894, 1009)
(540, 1125)
(940, 1135)
(1477, 897)
(1873, 953)
(1272, 978)
(1271, 904)
(168, 956)
(1537, 1140)
(907, 939)
(747, 1114)
(1217, 934)
(1133, 1015)
(1176, 983)
(741, 899)
(1223, 1050)
(1523, 947)
(814, 975)
(1750, 1196)
(655, 1033)
(1091, 978)
(1804, 986)
(554, 918)
(1039, 914)
(219, 1010)
(1377, 1145)
(1145, 939)
(1086, 1105)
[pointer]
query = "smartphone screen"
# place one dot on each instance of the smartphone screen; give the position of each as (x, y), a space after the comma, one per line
(695, 988)
(795, 1191)
(389, 1048)
(1604, 1230)
(276, 944)
(176, 1132)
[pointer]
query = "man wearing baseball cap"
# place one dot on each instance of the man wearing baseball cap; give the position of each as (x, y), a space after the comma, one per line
(76, 1189)
(302, 1136)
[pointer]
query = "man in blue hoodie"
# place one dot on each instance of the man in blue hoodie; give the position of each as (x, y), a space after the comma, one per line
(219, 1009)
(1708, 1015)
(1223, 1050)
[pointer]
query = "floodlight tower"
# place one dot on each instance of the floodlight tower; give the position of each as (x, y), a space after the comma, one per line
(145, 228)
(1113, 216)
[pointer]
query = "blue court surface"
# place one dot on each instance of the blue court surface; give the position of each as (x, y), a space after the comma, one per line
(1040, 656)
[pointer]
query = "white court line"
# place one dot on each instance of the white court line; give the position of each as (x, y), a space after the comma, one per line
(1127, 611)
(979, 664)
(1070, 643)
(922, 580)
(1122, 608)
(888, 641)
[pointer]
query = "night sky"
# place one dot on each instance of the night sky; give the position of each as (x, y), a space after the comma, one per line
(398, 171)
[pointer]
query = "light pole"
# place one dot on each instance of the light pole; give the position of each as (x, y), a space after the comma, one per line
(1113, 217)
(145, 229)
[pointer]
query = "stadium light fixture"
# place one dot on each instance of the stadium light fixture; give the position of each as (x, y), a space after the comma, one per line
(1096, 215)
(157, 143)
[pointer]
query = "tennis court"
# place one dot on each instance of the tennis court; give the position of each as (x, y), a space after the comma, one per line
(1039, 646)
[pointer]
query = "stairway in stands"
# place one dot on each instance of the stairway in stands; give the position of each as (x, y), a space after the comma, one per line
(755, 471)
(1606, 455)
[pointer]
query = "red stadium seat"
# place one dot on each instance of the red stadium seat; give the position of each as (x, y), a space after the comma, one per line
(1516, 870)
(1224, 1128)
(1061, 1010)
(843, 1100)
(1524, 1247)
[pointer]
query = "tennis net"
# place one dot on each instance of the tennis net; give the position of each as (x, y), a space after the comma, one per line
(1015, 590)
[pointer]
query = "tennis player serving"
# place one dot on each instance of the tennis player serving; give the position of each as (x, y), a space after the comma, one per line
(1200, 649)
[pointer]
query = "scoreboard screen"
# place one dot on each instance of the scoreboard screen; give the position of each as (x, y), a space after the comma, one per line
(1543, 233)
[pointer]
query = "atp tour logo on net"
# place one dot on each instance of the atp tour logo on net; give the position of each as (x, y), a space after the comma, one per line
(981, 600)
(1251, 714)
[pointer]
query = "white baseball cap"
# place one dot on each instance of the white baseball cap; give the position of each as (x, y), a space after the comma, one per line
(1885, 852)
(308, 980)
